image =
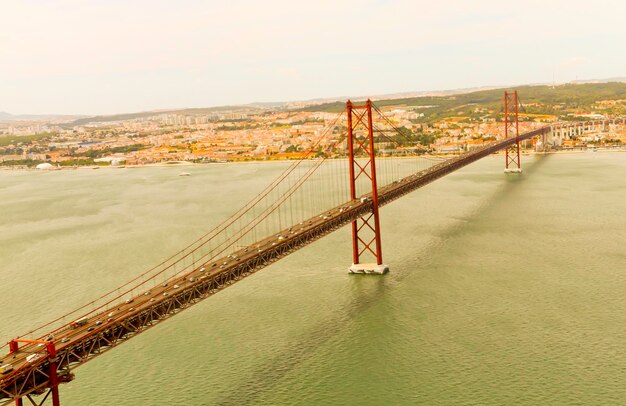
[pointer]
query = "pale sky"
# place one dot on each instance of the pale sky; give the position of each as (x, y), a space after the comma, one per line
(114, 56)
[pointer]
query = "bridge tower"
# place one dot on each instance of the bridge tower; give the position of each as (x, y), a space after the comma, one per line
(366, 239)
(511, 129)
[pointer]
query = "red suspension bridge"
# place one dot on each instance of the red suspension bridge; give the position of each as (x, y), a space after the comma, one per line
(311, 198)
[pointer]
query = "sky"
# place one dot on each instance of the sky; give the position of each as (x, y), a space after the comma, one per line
(115, 56)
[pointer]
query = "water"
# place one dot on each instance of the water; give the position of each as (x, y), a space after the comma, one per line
(503, 289)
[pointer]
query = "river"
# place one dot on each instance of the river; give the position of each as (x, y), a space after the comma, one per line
(503, 289)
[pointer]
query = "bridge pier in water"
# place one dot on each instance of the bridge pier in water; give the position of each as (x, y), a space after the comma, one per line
(366, 238)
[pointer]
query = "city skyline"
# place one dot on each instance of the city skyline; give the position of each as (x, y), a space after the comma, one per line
(69, 57)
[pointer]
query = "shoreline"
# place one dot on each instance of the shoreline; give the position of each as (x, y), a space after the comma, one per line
(185, 164)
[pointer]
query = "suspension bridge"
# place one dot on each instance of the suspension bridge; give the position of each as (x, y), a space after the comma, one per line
(351, 169)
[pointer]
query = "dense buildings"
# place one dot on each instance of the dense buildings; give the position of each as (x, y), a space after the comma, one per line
(443, 125)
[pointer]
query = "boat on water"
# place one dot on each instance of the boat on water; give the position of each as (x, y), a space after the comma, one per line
(184, 174)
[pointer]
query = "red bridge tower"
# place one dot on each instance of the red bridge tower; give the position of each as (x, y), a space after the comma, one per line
(511, 129)
(366, 229)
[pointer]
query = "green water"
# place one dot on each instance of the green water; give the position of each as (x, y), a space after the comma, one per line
(502, 290)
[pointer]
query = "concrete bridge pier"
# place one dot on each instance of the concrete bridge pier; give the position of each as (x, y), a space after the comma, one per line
(556, 135)
(371, 268)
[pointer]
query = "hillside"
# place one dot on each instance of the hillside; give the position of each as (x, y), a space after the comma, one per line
(130, 116)
(569, 96)
(562, 97)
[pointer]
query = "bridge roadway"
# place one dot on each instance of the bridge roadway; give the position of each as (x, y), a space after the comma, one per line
(105, 330)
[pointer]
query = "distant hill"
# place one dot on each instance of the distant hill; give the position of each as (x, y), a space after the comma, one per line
(130, 116)
(38, 117)
(392, 96)
(617, 79)
(571, 94)
(260, 106)
(583, 92)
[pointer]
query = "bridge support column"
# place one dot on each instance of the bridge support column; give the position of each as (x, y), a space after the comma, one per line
(52, 367)
(544, 142)
(52, 371)
(511, 129)
(366, 229)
